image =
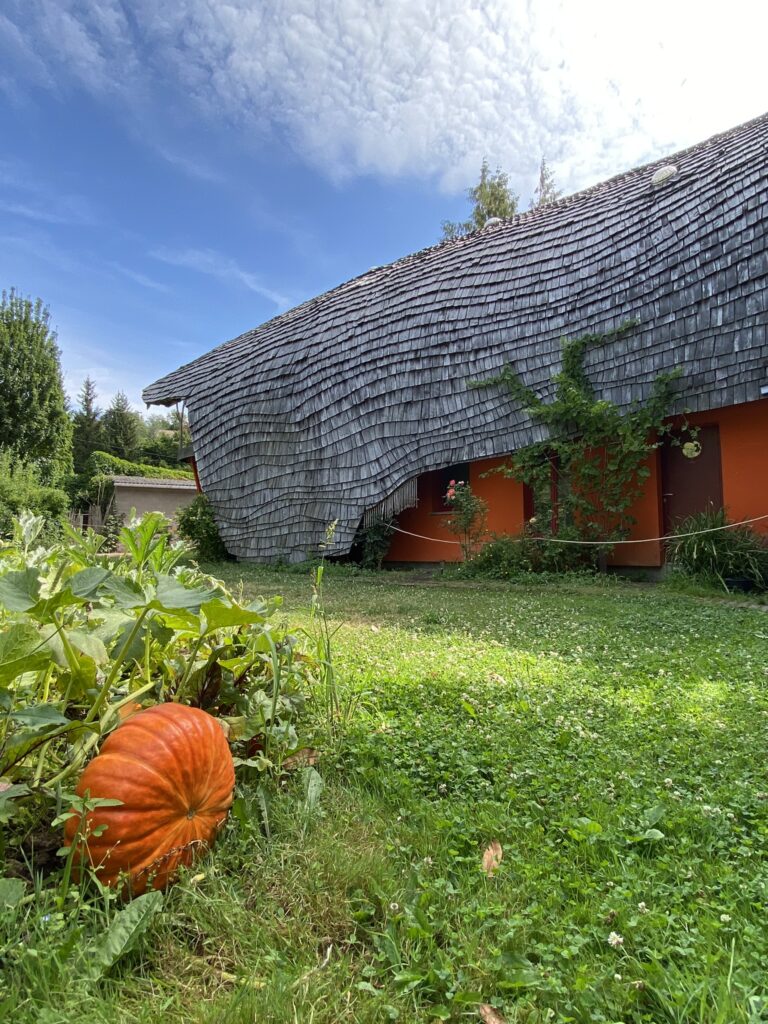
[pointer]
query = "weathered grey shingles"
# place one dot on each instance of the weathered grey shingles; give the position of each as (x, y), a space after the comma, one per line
(326, 409)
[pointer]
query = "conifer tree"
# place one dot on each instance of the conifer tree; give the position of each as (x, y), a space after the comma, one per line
(121, 428)
(492, 197)
(88, 434)
(545, 192)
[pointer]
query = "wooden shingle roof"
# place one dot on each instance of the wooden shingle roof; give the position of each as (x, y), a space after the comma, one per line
(325, 410)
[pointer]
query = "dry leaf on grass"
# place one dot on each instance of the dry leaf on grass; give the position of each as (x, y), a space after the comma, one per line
(492, 858)
(489, 1016)
(304, 758)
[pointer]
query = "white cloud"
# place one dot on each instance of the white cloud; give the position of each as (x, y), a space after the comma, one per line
(207, 261)
(139, 278)
(428, 88)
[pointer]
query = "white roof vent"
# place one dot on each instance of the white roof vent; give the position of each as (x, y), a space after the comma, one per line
(664, 174)
(493, 222)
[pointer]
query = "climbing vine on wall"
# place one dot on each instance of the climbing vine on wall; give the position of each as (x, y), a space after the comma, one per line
(588, 473)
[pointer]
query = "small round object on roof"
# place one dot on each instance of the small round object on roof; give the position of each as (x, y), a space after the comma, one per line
(664, 174)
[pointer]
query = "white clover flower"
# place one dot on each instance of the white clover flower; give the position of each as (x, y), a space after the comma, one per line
(617, 977)
(642, 908)
(725, 918)
(615, 940)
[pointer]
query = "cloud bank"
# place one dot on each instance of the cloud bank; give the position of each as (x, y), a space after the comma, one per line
(400, 88)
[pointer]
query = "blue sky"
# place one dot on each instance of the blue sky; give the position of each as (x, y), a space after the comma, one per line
(173, 174)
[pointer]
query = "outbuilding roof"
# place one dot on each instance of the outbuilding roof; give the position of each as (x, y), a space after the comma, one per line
(325, 410)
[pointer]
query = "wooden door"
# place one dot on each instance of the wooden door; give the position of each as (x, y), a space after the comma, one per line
(691, 485)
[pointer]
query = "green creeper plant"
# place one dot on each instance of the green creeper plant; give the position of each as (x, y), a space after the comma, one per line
(592, 467)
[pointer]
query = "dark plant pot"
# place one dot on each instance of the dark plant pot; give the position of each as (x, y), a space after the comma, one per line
(739, 584)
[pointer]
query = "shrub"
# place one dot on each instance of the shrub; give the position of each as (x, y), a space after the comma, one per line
(103, 464)
(469, 516)
(21, 490)
(375, 539)
(720, 557)
(505, 557)
(197, 524)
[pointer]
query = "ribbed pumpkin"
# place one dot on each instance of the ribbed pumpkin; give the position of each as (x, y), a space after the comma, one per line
(171, 767)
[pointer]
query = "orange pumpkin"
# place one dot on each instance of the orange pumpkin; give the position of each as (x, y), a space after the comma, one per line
(171, 767)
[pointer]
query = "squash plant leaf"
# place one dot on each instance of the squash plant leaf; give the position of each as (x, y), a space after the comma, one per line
(8, 794)
(219, 615)
(124, 592)
(172, 595)
(126, 928)
(88, 644)
(40, 717)
(19, 591)
(87, 583)
(22, 649)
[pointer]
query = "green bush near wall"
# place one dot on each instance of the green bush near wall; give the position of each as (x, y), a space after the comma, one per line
(94, 485)
(21, 490)
(103, 464)
(197, 524)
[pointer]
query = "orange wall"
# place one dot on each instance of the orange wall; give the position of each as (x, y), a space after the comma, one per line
(744, 453)
(648, 519)
(505, 515)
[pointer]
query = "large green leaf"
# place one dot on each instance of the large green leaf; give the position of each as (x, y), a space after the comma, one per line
(19, 591)
(127, 927)
(89, 644)
(219, 615)
(22, 649)
(88, 582)
(40, 717)
(9, 793)
(172, 595)
(124, 592)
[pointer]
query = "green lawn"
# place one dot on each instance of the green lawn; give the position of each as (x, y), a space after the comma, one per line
(612, 738)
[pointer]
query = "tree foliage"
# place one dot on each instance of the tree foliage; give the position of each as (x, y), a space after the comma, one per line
(87, 435)
(546, 191)
(34, 422)
(121, 427)
(491, 197)
(469, 517)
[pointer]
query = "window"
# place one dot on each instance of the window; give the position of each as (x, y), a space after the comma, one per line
(441, 482)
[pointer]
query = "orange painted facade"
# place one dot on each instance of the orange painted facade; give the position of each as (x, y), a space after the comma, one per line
(505, 515)
(744, 454)
(744, 462)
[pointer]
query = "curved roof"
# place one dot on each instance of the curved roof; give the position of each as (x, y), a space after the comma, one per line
(328, 408)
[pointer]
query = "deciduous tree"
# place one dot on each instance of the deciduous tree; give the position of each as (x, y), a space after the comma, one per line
(34, 422)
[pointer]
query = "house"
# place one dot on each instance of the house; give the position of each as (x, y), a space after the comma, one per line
(150, 494)
(359, 400)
